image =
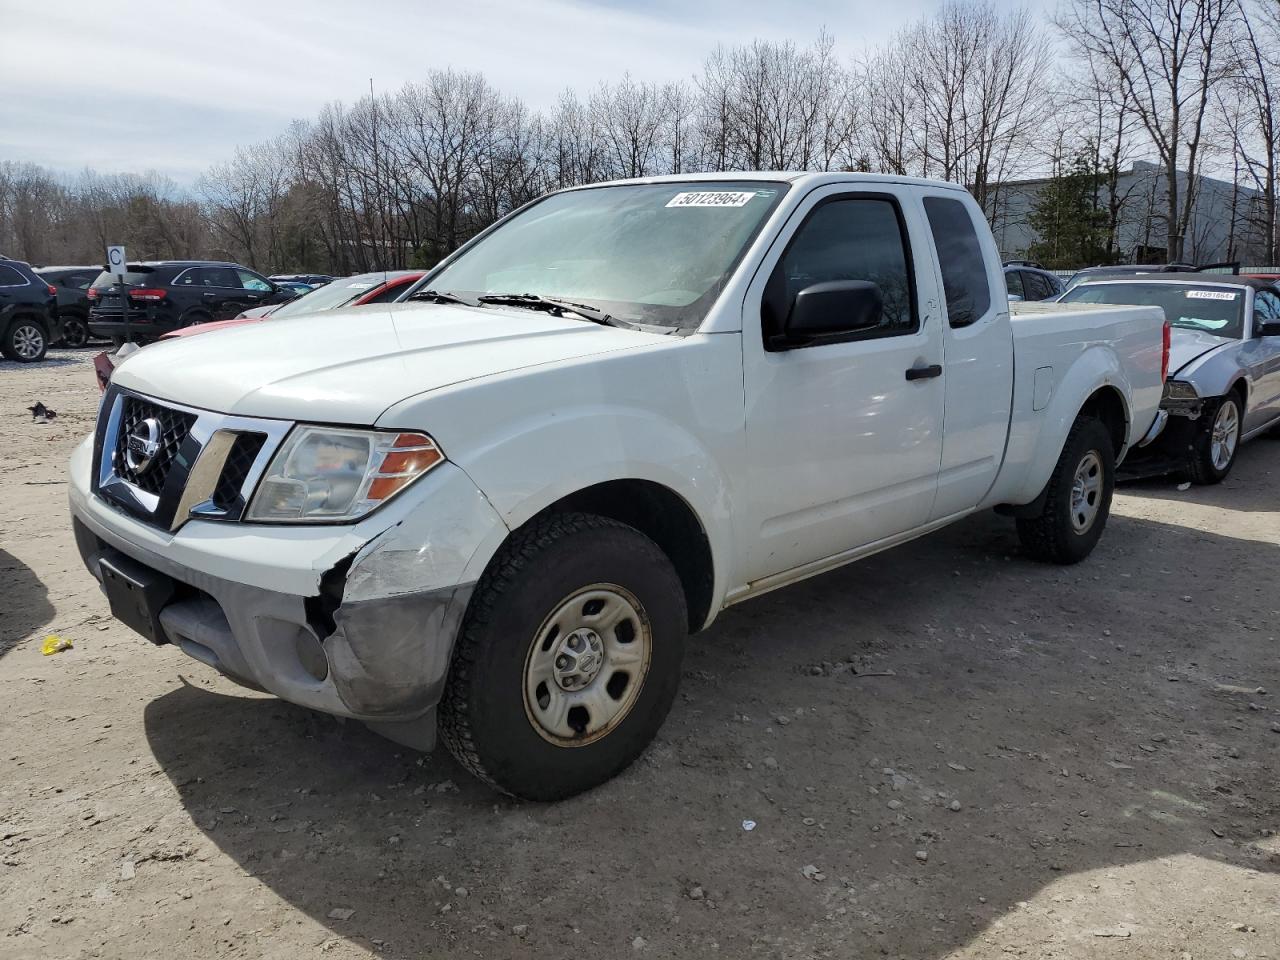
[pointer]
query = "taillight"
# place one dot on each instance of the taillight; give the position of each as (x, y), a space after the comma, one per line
(146, 293)
(92, 294)
(53, 291)
(1164, 355)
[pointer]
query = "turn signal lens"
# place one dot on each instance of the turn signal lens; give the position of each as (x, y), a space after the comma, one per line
(332, 474)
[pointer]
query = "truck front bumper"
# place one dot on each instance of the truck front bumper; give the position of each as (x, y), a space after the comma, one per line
(357, 621)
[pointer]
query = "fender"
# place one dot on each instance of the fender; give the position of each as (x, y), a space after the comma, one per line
(671, 414)
(1036, 443)
(1215, 373)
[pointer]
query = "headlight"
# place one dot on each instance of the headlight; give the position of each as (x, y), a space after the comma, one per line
(332, 474)
(1180, 390)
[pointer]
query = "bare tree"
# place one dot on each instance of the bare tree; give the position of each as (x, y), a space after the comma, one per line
(1169, 56)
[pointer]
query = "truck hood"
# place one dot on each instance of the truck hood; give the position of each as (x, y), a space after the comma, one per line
(348, 366)
(1187, 346)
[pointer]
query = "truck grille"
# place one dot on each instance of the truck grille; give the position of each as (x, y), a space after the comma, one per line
(172, 426)
(178, 470)
(228, 493)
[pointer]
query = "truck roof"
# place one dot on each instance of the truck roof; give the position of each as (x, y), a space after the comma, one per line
(807, 178)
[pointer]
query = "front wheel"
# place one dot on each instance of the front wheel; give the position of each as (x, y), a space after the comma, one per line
(1214, 452)
(25, 341)
(1077, 500)
(568, 660)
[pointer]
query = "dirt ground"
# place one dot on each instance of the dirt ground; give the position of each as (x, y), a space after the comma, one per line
(947, 752)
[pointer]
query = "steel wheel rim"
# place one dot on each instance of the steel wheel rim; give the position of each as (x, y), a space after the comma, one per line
(586, 665)
(1225, 436)
(28, 341)
(1086, 492)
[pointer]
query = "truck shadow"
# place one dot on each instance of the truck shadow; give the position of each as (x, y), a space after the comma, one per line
(24, 602)
(1249, 488)
(1073, 716)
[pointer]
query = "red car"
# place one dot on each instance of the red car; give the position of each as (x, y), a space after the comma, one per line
(381, 287)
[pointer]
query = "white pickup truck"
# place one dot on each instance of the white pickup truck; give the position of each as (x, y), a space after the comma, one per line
(504, 505)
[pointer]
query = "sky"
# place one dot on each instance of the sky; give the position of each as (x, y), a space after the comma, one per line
(174, 86)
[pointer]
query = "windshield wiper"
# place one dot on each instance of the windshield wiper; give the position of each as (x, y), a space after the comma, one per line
(442, 296)
(554, 306)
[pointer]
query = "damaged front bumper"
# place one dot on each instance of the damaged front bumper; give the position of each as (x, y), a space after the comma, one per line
(357, 621)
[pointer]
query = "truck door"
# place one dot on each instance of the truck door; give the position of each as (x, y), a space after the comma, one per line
(843, 430)
(977, 352)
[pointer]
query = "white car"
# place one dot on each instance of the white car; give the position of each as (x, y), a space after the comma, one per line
(607, 418)
(1224, 379)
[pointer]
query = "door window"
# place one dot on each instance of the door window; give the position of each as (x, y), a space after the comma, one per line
(964, 269)
(251, 281)
(221, 277)
(847, 239)
(1013, 280)
(1266, 308)
(77, 281)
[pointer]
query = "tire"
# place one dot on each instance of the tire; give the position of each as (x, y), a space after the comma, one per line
(26, 340)
(504, 713)
(1077, 499)
(1217, 442)
(193, 317)
(75, 332)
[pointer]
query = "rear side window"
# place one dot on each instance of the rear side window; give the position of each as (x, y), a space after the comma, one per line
(1038, 287)
(847, 239)
(387, 295)
(9, 277)
(964, 270)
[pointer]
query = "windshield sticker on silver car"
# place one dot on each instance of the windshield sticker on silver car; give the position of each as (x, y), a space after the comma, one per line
(716, 199)
(1211, 295)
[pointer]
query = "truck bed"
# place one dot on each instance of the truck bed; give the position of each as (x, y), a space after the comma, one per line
(1052, 341)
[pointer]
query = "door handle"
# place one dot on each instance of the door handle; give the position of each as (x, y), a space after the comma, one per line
(925, 373)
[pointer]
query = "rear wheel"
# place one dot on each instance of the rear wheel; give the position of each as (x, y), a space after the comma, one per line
(25, 340)
(1077, 500)
(569, 658)
(1214, 451)
(75, 332)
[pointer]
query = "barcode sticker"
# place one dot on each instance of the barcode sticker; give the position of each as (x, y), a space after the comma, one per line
(1211, 295)
(711, 199)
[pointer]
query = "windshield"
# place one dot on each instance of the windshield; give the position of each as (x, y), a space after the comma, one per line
(656, 253)
(1214, 309)
(330, 296)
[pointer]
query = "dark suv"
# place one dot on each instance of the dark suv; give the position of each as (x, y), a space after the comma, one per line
(72, 285)
(166, 295)
(28, 313)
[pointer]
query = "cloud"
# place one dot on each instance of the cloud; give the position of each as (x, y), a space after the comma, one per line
(175, 86)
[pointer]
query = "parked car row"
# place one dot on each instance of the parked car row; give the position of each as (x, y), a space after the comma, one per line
(68, 305)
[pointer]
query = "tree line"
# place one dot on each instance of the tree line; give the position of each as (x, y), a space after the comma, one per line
(977, 93)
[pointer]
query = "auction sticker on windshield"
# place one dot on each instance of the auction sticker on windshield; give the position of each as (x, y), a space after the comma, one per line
(716, 199)
(1211, 295)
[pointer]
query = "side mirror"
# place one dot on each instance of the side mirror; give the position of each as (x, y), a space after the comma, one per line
(1267, 328)
(840, 306)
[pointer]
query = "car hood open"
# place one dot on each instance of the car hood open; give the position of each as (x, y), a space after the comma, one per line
(348, 366)
(1187, 346)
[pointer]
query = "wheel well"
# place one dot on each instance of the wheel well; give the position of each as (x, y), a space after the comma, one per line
(1107, 405)
(665, 518)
